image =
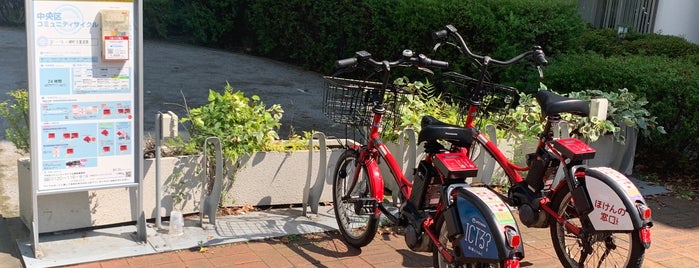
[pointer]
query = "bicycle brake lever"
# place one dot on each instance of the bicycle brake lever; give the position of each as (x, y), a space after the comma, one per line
(541, 72)
(427, 70)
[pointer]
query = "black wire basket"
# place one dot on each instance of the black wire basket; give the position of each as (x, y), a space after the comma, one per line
(492, 98)
(350, 102)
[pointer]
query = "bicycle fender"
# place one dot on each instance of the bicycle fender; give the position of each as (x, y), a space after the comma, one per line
(375, 179)
(480, 220)
(613, 198)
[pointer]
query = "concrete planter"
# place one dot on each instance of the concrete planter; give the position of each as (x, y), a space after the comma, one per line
(275, 178)
(616, 155)
(265, 178)
(74, 210)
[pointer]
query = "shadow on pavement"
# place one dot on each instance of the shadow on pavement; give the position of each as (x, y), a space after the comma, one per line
(674, 211)
(11, 229)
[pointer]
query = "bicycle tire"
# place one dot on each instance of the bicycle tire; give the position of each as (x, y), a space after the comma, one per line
(437, 258)
(357, 230)
(628, 253)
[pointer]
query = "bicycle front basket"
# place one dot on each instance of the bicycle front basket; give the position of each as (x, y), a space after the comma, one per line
(493, 98)
(349, 101)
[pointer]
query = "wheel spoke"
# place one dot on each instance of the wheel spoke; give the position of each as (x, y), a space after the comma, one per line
(357, 229)
(596, 249)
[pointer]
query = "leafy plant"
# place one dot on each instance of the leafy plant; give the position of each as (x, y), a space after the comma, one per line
(177, 186)
(16, 112)
(625, 109)
(244, 125)
(423, 101)
(180, 146)
(202, 247)
(293, 143)
(521, 122)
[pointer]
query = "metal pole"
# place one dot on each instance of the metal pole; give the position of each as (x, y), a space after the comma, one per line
(141, 222)
(158, 205)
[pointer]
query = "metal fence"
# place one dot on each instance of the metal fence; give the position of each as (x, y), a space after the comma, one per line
(638, 15)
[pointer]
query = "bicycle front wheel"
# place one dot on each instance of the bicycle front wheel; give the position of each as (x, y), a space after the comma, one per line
(357, 224)
(609, 249)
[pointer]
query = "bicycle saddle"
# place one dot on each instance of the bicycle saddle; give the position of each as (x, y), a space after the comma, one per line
(433, 129)
(553, 104)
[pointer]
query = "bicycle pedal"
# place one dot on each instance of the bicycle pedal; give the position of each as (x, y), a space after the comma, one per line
(365, 206)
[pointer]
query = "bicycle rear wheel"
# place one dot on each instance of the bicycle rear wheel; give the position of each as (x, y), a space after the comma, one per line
(357, 224)
(609, 249)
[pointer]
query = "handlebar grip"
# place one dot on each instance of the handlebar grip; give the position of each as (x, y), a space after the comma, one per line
(438, 35)
(344, 63)
(433, 63)
(440, 64)
(539, 56)
(541, 60)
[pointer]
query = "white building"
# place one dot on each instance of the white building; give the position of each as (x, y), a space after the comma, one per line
(671, 17)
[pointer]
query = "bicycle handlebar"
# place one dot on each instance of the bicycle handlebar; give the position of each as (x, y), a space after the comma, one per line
(408, 59)
(537, 53)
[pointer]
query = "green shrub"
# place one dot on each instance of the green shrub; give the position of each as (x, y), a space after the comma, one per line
(207, 22)
(328, 30)
(602, 41)
(607, 43)
(158, 17)
(669, 84)
(244, 125)
(315, 38)
(12, 12)
(16, 113)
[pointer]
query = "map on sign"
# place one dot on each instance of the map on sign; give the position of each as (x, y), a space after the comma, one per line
(83, 98)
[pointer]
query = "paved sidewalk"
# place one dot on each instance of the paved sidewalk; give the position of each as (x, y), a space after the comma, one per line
(675, 243)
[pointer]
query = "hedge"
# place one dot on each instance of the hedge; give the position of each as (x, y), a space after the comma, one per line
(327, 30)
(671, 85)
(607, 43)
(12, 12)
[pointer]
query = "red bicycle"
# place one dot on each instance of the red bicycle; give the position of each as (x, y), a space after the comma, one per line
(461, 225)
(597, 217)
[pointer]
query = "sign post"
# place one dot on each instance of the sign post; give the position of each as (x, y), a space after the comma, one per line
(85, 80)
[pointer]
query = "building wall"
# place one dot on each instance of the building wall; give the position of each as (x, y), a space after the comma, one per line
(678, 17)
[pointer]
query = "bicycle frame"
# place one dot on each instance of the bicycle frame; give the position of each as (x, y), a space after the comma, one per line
(445, 207)
(573, 171)
(368, 156)
(604, 201)
(369, 153)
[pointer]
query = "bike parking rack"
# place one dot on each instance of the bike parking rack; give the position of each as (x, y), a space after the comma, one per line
(314, 185)
(210, 200)
(311, 194)
(409, 148)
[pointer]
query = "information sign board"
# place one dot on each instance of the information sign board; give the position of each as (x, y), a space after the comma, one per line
(82, 93)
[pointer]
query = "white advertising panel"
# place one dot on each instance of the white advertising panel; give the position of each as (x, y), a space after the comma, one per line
(82, 94)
